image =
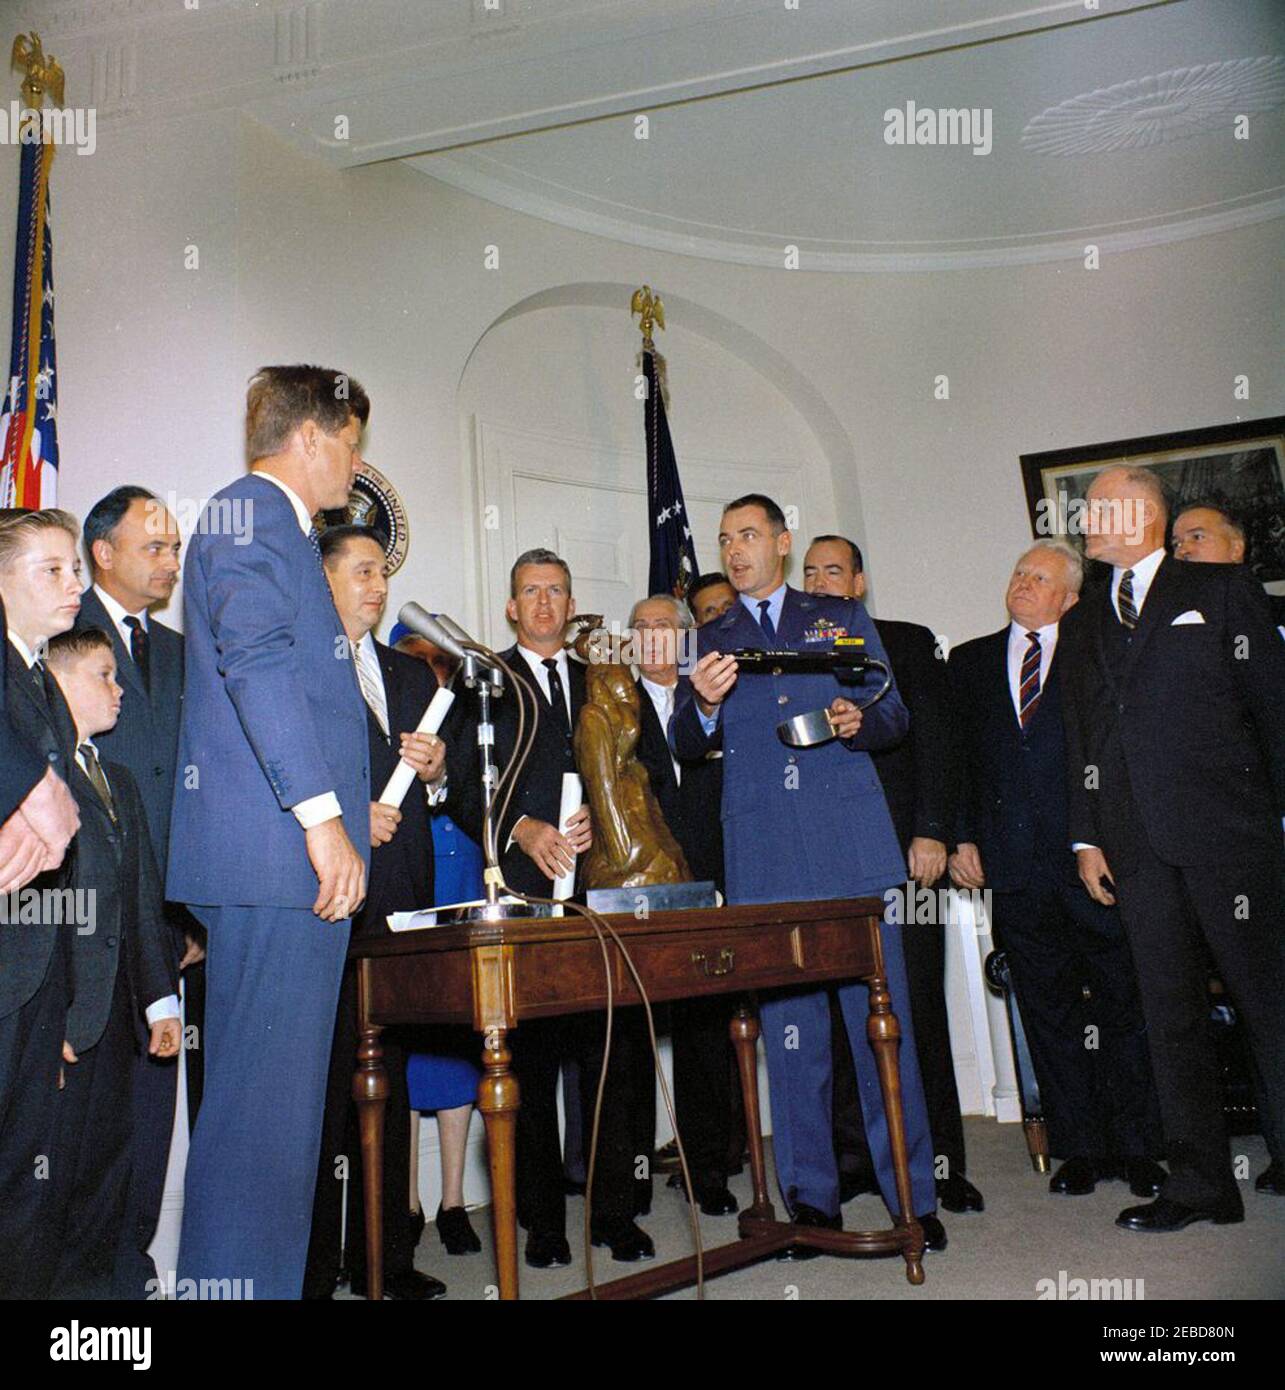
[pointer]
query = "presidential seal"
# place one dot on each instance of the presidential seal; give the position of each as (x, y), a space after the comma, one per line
(373, 502)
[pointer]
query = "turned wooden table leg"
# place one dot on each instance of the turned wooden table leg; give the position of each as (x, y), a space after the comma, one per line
(497, 1099)
(884, 1033)
(370, 1091)
(745, 1036)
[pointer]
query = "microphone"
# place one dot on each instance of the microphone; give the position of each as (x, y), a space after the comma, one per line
(423, 622)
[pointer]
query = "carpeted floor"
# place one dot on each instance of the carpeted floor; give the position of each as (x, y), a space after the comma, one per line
(1024, 1236)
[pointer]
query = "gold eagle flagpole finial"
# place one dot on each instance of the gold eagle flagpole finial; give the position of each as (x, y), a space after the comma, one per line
(651, 312)
(43, 75)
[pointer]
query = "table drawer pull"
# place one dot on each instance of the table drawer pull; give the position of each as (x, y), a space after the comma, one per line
(726, 962)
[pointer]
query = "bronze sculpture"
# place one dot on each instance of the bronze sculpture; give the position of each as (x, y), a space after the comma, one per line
(632, 845)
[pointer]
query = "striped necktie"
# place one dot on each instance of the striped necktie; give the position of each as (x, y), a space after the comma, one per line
(1028, 691)
(372, 689)
(1128, 609)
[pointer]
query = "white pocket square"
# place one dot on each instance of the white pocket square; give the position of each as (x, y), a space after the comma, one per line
(1192, 615)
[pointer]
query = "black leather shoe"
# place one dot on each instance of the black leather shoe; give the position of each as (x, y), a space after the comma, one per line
(805, 1215)
(856, 1185)
(458, 1235)
(1272, 1180)
(628, 1242)
(410, 1286)
(715, 1201)
(934, 1234)
(1144, 1176)
(957, 1194)
(1077, 1177)
(1164, 1215)
(547, 1250)
(665, 1159)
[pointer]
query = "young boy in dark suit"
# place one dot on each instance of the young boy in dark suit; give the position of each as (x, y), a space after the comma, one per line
(124, 982)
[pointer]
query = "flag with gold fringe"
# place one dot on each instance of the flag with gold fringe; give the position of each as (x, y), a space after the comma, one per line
(29, 473)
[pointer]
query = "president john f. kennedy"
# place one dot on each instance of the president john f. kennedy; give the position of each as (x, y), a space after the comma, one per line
(799, 825)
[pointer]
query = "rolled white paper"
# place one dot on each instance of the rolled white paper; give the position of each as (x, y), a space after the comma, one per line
(404, 774)
(572, 800)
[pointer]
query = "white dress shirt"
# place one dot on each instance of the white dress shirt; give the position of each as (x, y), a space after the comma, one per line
(118, 614)
(1018, 645)
(540, 674)
(367, 657)
(22, 649)
(167, 1006)
(662, 699)
(312, 810)
(1143, 573)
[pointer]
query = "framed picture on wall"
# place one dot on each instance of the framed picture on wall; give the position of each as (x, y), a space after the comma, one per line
(1241, 464)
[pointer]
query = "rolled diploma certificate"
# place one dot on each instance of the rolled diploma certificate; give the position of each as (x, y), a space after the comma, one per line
(572, 800)
(404, 774)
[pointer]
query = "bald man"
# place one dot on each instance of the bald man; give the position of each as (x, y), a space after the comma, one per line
(1175, 723)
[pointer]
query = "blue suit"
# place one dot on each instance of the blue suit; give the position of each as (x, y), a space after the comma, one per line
(812, 823)
(272, 715)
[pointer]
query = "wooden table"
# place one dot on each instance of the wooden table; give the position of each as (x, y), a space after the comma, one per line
(494, 975)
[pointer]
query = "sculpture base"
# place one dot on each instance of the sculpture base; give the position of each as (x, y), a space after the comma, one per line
(659, 897)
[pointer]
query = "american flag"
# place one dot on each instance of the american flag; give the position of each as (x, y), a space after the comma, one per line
(673, 552)
(29, 474)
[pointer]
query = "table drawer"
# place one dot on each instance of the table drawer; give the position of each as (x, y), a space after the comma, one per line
(710, 962)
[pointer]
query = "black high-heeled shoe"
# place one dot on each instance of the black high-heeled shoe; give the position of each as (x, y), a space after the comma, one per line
(458, 1236)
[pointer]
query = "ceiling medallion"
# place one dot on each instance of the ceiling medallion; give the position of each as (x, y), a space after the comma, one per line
(373, 502)
(1155, 110)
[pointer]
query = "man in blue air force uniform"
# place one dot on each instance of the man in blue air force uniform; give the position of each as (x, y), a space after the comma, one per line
(805, 824)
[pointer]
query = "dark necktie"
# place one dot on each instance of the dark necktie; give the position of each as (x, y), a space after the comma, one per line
(314, 540)
(41, 679)
(94, 772)
(139, 650)
(1028, 693)
(765, 619)
(1128, 609)
(556, 697)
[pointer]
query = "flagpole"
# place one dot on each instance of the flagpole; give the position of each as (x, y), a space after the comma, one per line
(27, 477)
(672, 563)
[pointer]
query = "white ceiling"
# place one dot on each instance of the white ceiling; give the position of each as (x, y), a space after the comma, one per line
(1144, 102)
(1111, 119)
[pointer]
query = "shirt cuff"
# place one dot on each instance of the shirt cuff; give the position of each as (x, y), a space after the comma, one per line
(512, 841)
(1075, 848)
(162, 1008)
(435, 794)
(315, 809)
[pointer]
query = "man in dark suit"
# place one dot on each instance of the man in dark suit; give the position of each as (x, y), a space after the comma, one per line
(533, 852)
(269, 838)
(918, 780)
(133, 546)
(689, 796)
(773, 802)
(124, 987)
(1209, 530)
(1175, 715)
(40, 590)
(1099, 1101)
(397, 690)
(709, 597)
